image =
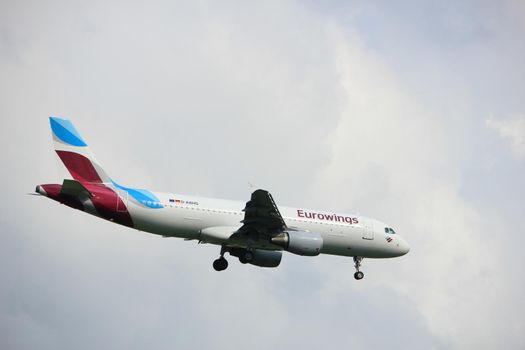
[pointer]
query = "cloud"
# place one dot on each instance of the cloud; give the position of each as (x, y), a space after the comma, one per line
(512, 131)
(394, 158)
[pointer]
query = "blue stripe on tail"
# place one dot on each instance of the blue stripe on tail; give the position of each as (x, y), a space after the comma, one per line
(66, 132)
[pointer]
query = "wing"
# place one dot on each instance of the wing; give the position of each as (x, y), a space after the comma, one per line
(261, 222)
(261, 216)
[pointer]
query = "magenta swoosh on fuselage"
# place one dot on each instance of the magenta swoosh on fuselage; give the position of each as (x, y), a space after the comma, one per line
(106, 202)
(53, 192)
(104, 199)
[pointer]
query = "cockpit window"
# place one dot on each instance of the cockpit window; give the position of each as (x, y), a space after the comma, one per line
(390, 230)
(387, 229)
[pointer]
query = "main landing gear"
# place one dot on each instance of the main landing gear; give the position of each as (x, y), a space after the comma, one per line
(357, 263)
(221, 264)
(246, 256)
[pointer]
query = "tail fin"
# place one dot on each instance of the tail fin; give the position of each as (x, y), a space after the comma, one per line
(75, 153)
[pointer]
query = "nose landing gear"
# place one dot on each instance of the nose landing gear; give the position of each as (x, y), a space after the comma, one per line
(358, 275)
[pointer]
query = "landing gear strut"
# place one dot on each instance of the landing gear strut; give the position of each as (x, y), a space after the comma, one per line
(221, 264)
(357, 263)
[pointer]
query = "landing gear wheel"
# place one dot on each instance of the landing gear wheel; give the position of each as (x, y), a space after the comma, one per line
(246, 257)
(220, 264)
(358, 275)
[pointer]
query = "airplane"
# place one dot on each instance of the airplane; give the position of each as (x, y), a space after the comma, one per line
(256, 232)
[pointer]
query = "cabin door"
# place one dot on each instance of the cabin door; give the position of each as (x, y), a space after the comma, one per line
(368, 230)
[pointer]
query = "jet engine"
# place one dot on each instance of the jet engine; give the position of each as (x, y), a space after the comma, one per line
(299, 242)
(258, 257)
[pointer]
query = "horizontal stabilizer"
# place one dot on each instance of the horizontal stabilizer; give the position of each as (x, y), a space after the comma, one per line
(75, 189)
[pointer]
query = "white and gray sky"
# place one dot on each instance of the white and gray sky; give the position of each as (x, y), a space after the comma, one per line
(411, 112)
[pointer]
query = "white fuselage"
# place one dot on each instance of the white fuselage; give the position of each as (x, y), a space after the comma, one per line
(186, 216)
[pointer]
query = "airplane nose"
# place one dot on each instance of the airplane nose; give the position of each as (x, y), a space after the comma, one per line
(403, 247)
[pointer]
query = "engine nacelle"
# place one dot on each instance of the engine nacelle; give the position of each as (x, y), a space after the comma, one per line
(258, 257)
(300, 242)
